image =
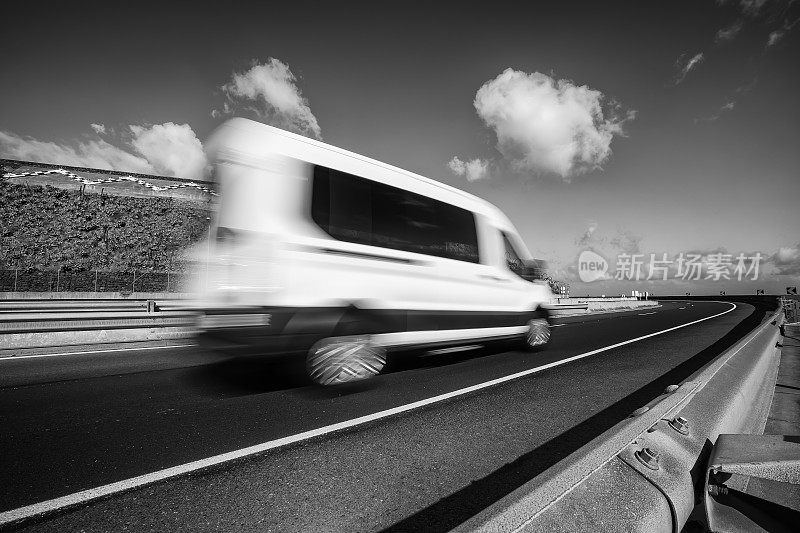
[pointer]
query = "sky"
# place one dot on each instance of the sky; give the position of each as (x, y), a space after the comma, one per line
(629, 129)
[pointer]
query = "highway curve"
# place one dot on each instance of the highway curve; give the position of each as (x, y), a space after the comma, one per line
(428, 468)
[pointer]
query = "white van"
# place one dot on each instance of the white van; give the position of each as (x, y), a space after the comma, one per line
(341, 258)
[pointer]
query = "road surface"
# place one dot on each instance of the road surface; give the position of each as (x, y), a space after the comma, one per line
(69, 427)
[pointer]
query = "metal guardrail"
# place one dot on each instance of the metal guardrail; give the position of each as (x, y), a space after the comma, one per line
(94, 321)
(647, 473)
(753, 483)
(8, 307)
(31, 316)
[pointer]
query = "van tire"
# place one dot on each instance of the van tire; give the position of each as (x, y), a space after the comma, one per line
(335, 360)
(538, 334)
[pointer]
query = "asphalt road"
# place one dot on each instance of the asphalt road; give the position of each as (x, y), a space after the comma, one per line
(429, 468)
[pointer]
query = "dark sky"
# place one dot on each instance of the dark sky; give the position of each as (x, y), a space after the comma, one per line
(396, 81)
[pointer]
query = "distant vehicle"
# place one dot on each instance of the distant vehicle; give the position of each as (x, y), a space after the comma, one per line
(339, 258)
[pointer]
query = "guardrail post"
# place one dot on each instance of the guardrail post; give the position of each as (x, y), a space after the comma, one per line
(133, 285)
(95, 280)
(16, 271)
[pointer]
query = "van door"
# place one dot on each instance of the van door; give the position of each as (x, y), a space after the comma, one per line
(488, 287)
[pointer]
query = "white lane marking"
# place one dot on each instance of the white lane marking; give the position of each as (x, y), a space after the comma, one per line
(84, 496)
(558, 325)
(681, 308)
(11, 357)
(642, 314)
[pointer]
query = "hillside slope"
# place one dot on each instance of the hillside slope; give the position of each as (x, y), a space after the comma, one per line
(48, 228)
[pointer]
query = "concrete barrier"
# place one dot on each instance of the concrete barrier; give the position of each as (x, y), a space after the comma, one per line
(16, 341)
(643, 474)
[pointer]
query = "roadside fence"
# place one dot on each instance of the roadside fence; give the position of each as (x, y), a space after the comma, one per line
(35, 280)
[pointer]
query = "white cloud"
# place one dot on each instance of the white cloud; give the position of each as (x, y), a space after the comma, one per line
(270, 90)
(748, 7)
(588, 237)
(548, 126)
(788, 255)
(473, 170)
(747, 87)
(774, 38)
(99, 129)
(786, 261)
(172, 149)
(95, 153)
(686, 66)
(751, 7)
(626, 241)
(727, 106)
(167, 149)
(731, 103)
(777, 36)
(728, 33)
(457, 166)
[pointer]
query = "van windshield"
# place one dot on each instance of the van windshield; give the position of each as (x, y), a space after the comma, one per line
(513, 260)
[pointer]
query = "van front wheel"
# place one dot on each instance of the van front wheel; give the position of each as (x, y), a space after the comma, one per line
(337, 360)
(538, 334)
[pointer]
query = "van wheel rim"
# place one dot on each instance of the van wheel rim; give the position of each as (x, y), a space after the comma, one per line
(344, 359)
(538, 332)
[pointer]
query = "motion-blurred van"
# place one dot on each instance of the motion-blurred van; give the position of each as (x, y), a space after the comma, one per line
(338, 258)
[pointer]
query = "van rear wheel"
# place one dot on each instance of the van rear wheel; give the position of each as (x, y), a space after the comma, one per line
(336, 360)
(538, 334)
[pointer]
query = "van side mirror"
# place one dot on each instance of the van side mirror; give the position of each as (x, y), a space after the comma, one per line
(533, 269)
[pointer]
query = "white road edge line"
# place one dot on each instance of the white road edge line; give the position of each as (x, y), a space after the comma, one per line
(85, 496)
(652, 313)
(12, 357)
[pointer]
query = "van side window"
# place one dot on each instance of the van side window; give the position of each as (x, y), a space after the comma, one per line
(354, 209)
(515, 264)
